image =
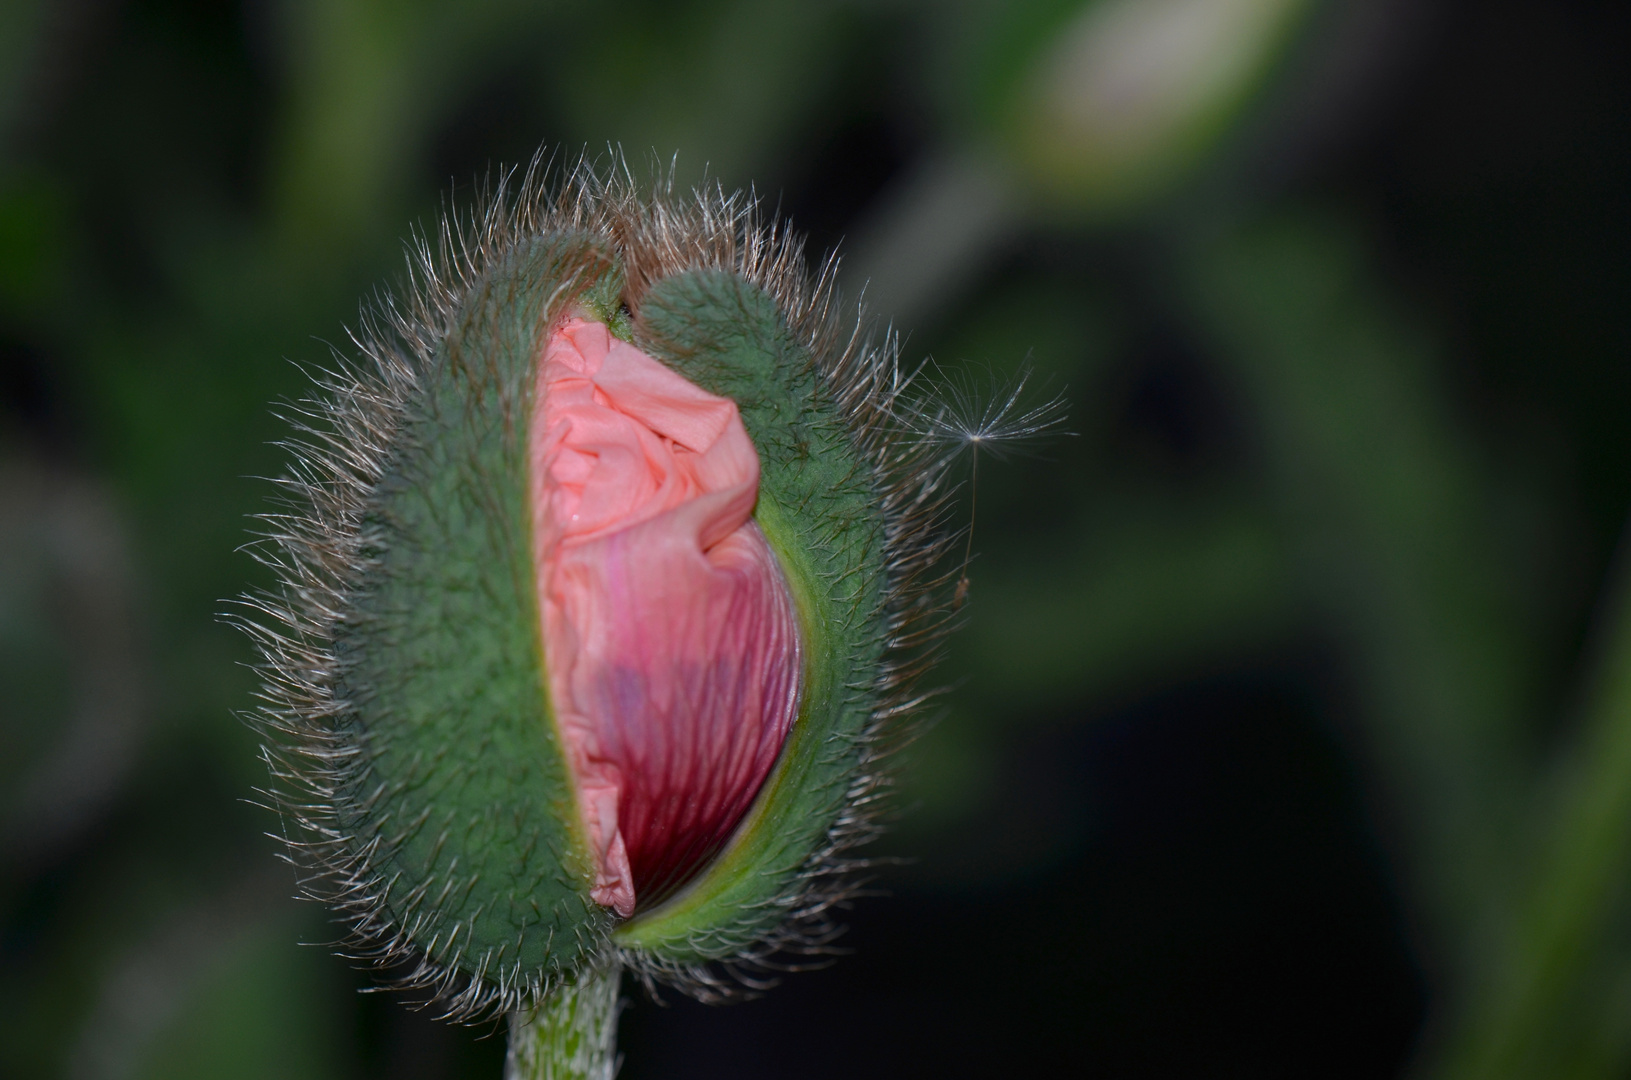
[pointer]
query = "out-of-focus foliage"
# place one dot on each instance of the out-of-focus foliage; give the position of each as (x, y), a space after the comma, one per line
(1288, 731)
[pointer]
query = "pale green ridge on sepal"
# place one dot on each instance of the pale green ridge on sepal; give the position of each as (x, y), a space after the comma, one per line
(820, 510)
(467, 799)
(603, 301)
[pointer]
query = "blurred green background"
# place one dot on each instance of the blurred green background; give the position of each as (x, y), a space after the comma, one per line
(1290, 730)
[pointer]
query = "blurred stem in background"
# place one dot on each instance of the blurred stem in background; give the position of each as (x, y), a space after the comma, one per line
(1516, 874)
(1377, 492)
(1555, 1000)
(370, 85)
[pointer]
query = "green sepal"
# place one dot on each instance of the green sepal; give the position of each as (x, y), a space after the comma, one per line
(466, 797)
(603, 301)
(819, 508)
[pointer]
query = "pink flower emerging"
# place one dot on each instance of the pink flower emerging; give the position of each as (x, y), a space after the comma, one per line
(672, 645)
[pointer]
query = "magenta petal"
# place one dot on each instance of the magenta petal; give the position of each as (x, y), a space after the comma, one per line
(687, 667)
(671, 641)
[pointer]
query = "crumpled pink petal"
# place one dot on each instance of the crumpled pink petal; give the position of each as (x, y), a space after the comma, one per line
(672, 646)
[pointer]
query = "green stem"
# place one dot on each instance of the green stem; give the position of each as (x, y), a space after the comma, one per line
(1551, 1009)
(572, 1035)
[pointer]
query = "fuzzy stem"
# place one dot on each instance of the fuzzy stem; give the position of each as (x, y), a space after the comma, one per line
(572, 1035)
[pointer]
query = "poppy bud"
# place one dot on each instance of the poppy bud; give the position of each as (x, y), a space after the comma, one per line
(600, 580)
(1102, 105)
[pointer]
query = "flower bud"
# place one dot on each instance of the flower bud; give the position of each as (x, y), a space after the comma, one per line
(599, 583)
(1102, 105)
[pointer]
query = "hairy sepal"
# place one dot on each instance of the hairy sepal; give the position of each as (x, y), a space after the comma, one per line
(819, 508)
(465, 811)
(432, 838)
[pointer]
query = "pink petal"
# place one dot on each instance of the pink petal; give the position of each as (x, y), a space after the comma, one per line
(672, 646)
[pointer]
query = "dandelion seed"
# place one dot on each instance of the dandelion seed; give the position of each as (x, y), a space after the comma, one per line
(962, 413)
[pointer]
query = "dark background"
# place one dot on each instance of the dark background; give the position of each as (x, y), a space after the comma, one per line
(1281, 741)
